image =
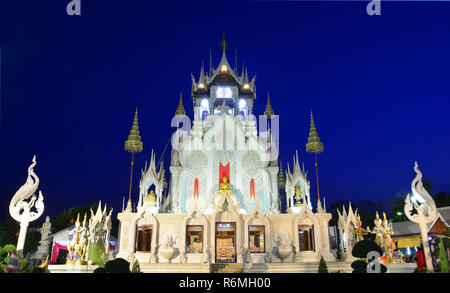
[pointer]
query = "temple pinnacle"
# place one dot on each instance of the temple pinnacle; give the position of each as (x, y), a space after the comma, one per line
(134, 144)
(180, 109)
(223, 44)
(269, 111)
(314, 145)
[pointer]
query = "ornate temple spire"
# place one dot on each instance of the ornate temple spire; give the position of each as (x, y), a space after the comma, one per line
(269, 111)
(223, 44)
(180, 109)
(281, 179)
(314, 145)
(134, 144)
(202, 79)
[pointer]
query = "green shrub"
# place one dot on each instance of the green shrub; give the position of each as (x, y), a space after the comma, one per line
(99, 270)
(119, 265)
(322, 266)
(38, 270)
(136, 268)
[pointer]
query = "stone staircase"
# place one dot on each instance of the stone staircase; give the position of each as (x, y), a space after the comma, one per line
(226, 268)
(305, 267)
(174, 268)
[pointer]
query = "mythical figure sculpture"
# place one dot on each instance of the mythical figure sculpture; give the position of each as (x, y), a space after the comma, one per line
(359, 230)
(75, 247)
(22, 208)
(378, 230)
(421, 209)
(388, 243)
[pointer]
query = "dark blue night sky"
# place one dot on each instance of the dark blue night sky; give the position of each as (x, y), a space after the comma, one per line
(378, 87)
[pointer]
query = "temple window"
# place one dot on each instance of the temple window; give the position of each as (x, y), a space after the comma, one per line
(194, 239)
(224, 93)
(144, 238)
(204, 108)
(256, 238)
(306, 237)
(243, 108)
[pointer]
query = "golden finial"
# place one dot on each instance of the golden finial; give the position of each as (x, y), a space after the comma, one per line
(377, 217)
(223, 44)
(314, 145)
(85, 218)
(180, 109)
(134, 144)
(269, 111)
(384, 217)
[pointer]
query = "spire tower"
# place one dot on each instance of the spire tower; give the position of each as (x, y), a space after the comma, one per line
(223, 44)
(269, 111)
(180, 109)
(134, 145)
(315, 146)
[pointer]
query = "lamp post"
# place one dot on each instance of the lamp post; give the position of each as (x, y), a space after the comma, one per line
(314, 146)
(133, 145)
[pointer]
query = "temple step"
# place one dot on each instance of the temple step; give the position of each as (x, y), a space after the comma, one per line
(226, 268)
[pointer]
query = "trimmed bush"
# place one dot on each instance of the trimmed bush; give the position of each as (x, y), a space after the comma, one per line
(119, 265)
(322, 266)
(99, 270)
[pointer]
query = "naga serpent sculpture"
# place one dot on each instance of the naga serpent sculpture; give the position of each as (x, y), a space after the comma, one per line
(22, 208)
(425, 212)
(426, 208)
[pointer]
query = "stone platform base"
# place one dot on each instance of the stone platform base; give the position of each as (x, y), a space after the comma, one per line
(228, 268)
(306, 267)
(309, 267)
(71, 269)
(401, 267)
(174, 268)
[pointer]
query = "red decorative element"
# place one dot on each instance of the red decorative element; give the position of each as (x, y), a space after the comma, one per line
(55, 251)
(252, 188)
(224, 171)
(71, 221)
(196, 188)
(420, 259)
(17, 234)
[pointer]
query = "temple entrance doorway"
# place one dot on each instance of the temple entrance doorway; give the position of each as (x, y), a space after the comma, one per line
(225, 242)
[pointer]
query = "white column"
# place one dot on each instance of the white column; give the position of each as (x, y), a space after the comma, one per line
(22, 235)
(426, 245)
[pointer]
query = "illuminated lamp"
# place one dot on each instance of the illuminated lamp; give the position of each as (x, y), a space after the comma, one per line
(246, 86)
(224, 68)
(201, 86)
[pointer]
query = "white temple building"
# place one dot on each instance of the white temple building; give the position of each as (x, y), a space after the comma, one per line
(223, 201)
